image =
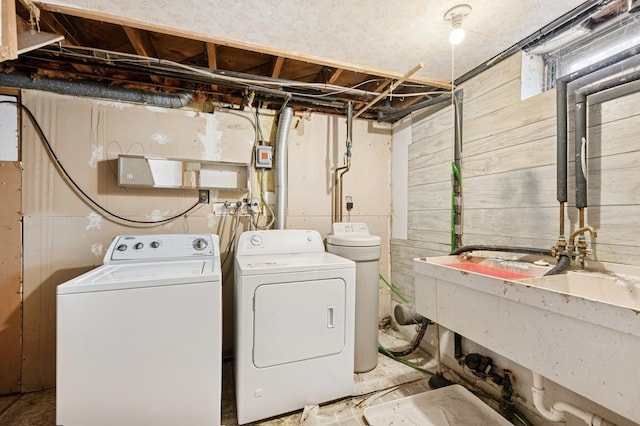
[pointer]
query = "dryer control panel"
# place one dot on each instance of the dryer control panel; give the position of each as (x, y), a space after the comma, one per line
(161, 246)
(280, 241)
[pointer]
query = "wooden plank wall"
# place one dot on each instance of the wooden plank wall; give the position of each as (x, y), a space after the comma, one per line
(509, 173)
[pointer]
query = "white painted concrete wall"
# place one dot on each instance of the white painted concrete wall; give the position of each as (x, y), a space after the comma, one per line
(63, 236)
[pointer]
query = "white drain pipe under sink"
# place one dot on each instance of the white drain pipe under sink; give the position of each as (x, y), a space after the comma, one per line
(558, 410)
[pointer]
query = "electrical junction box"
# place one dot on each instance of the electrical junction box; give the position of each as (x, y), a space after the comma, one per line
(264, 157)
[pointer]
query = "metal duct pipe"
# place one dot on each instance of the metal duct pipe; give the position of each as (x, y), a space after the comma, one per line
(95, 90)
(282, 138)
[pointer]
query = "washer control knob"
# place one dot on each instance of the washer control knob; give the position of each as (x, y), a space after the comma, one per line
(255, 240)
(155, 244)
(200, 244)
(121, 247)
(138, 246)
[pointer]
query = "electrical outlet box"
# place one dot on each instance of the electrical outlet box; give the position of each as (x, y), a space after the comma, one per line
(203, 196)
(264, 157)
(254, 205)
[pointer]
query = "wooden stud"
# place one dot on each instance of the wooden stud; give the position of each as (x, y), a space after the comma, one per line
(386, 92)
(9, 45)
(141, 43)
(212, 58)
(335, 76)
(276, 66)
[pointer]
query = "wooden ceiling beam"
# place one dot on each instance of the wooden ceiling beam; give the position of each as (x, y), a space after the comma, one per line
(123, 20)
(49, 22)
(143, 46)
(212, 60)
(212, 55)
(334, 77)
(141, 42)
(275, 67)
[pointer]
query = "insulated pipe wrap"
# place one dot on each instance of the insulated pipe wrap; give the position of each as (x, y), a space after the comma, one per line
(282, 138)
(561, 129)
(561, 113)
(581, 151)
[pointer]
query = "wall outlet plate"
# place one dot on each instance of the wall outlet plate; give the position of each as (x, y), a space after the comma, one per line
(203, 196)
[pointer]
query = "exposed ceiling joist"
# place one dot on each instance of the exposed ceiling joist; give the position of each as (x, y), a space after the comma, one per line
(334, 77)
(141, 42)
(112, 50)
(50, 22)
(268, 50)
(387, 91)
(276, 67)
(212, 60)
(212, 56)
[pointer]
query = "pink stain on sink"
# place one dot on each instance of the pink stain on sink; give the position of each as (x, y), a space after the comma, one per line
(488, 270)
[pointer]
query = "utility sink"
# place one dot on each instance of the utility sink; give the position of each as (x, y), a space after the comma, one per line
(580, 329)
(618, 290)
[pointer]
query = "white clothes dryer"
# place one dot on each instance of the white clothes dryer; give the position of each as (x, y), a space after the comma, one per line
(294, 338)
(139, 338)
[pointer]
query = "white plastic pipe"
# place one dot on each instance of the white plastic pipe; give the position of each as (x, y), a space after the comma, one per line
(558, 410)
(445, 339)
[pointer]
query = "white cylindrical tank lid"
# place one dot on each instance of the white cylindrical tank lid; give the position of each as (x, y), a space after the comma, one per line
(354, 240)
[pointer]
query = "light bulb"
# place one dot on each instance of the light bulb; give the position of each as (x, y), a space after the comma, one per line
(456, 36)
(456, 14)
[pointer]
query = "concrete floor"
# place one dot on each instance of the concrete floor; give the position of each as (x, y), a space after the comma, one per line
(389, 381)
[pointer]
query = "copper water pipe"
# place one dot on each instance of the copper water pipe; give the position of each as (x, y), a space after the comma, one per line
(337, 192)
(562, 219)
(337, 201)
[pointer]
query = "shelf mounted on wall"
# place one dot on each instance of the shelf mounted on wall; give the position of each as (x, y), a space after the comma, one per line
(158, 172)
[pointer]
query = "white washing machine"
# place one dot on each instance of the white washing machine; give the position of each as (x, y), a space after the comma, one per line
(294, 338)
(139, 338)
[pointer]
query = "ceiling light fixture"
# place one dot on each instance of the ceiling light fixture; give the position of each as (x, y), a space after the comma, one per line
(455, 15)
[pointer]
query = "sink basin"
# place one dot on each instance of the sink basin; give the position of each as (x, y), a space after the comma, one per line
(618, 290)
(565, 327)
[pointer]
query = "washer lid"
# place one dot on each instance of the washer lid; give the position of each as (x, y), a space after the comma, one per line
(143, 274)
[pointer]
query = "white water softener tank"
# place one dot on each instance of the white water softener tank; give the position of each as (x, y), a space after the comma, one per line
(353, 241)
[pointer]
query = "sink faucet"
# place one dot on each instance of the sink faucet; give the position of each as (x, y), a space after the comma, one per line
(582, 242)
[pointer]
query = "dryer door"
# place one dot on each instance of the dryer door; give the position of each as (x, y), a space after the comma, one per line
(298, 320)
